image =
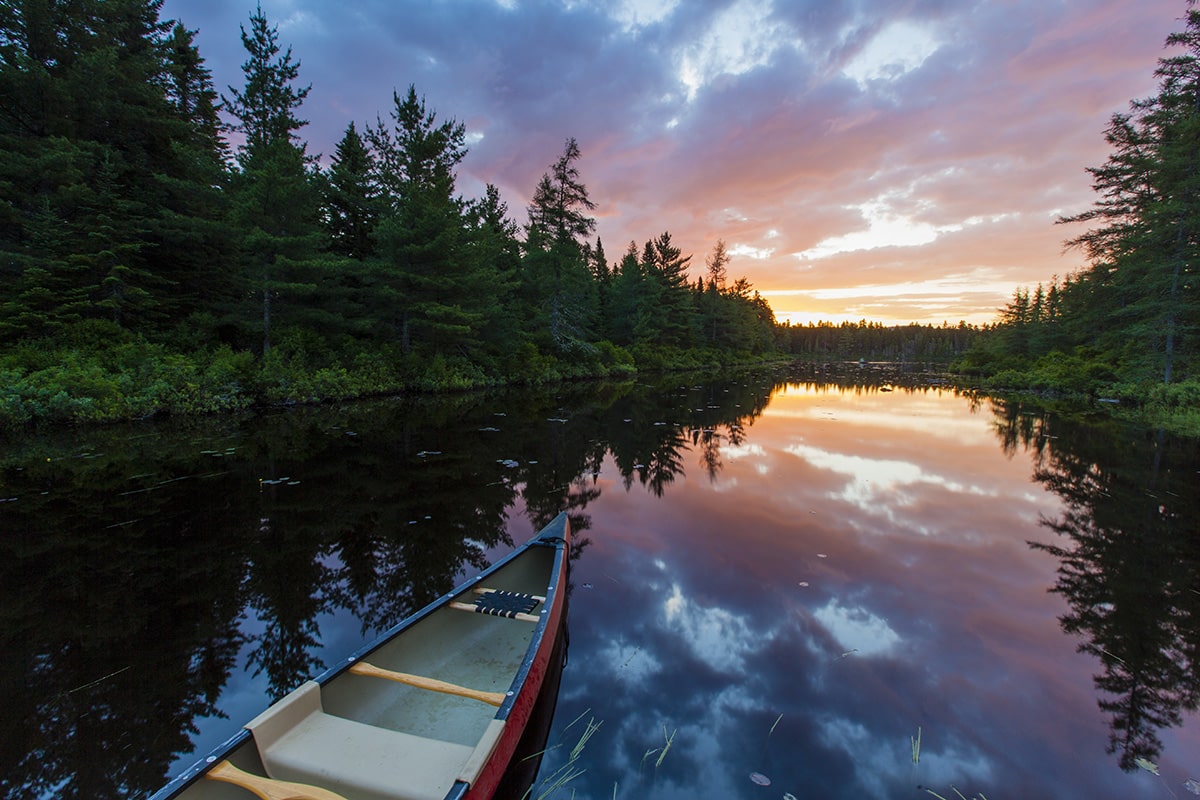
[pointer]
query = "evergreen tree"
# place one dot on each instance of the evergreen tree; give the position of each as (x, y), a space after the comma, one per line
(99, 169)
(625, 298)
(495, 254)
(718, 264)
(1140, 285)
(266, 107)
(275, 201)
(557, 281)
(440, 296)
(676, 307)
(351, 200)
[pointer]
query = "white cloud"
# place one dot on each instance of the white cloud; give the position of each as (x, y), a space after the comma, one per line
(897, 50)
(756, 253)
(634, 14)
(740, 38)
(877, 485)
(885, 228)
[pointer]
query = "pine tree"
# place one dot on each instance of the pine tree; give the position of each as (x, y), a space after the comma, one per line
(440, 296)
(94, 148)
(351, 199)
(275, 202)
(1140, 286)
(557, 281)
(676, 305)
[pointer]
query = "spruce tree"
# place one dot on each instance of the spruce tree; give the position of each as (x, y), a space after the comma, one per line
(351, 199)
(1140, 286)
(557, 281)
(275, 202)
(439, 296)
(97, 169)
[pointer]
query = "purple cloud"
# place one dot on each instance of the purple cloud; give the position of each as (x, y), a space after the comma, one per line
(892, 146)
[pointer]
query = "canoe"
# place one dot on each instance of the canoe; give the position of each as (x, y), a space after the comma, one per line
(431, 710)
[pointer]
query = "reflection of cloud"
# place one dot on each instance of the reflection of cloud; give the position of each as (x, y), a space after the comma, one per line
(881, 764)
(735, 451)
(627, 662)
(715, 636)
(873, 478)
(857, 629)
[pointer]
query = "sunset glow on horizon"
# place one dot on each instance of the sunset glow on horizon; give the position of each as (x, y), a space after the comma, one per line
(858, 161)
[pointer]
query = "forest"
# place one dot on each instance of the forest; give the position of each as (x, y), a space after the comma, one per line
(1123, 328)
(167, 248)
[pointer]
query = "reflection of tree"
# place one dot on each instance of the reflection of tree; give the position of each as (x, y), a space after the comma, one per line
(134, 595)
(1130, 568)
(119, 625)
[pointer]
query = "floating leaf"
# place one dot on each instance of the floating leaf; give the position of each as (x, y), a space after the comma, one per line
(804, 583)
(789, 796)
(760, 779)
(1149, 766)
(1192, 785)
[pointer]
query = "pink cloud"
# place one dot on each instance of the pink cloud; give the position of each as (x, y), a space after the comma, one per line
(777, 150)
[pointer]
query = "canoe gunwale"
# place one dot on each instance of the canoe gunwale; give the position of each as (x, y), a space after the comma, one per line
(556, 535)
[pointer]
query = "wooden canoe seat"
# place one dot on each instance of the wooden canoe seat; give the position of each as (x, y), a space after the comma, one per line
(297, 741)
(502, 603)
(431, 684)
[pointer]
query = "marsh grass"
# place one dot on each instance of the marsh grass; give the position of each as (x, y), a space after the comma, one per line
(916, 746)
(571, 769)
(960, 795)
(662, 751)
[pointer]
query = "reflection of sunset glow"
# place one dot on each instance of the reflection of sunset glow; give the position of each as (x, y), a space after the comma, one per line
(857, 567)
(871, 479)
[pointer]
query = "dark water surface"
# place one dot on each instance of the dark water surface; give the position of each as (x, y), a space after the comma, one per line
(778, 578)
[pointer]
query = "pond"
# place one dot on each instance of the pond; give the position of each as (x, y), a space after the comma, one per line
(794, 583)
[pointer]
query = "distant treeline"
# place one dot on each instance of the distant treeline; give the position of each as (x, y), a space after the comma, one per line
(1125, 326)
(873, 341)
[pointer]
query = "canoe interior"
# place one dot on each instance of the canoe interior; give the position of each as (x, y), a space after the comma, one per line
(477, 651)
(473, 650)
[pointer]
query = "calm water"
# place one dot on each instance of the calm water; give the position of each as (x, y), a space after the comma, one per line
(778, 578)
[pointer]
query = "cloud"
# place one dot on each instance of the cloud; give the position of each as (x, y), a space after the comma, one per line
(892, 146)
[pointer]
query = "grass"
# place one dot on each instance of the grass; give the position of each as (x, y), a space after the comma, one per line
(961, 796)
(571, 769)
(916, 746)
(662, 751)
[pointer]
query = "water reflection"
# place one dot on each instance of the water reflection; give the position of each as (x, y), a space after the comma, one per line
(168, 580)
(1129, 564)
(792, 571)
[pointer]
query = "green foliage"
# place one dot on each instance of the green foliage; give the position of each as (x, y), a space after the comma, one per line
(147, 268)
(1131, 316)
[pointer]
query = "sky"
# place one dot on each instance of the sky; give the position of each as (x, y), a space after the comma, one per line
(861, 159)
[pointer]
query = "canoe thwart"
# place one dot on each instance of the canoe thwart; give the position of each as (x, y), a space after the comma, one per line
(486, 590)
(432, 684)
(268, 788)
(503, 603)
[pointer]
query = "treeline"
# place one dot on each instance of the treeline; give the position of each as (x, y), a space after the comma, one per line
(1126, 324)
(164, 246)
(873, 341)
